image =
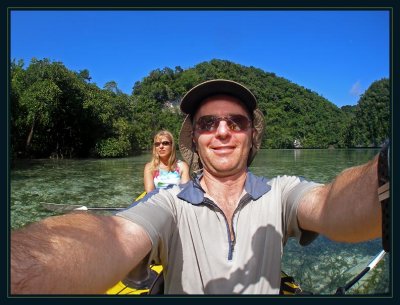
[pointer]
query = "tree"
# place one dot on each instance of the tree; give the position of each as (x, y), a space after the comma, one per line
(84, 75)
(371, 124)
(112, 86)
(17, 81)
(40, 99)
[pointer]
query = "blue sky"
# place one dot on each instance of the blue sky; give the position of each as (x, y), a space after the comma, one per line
(337, 54)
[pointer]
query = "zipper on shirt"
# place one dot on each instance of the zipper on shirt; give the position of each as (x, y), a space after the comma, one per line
(245, 199)
(232, 242)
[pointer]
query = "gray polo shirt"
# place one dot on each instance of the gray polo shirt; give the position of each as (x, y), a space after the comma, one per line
(191, 239)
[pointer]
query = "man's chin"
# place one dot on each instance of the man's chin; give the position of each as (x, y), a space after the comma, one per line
(226, 171)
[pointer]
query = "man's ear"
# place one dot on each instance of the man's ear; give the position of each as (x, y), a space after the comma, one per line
(253, 137)
(256, 139)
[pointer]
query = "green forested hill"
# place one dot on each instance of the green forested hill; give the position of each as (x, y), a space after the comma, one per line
(370, 123)
(58, 112)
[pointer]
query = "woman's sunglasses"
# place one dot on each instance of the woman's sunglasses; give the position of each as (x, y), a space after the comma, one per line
(236, 122)
(164, 143)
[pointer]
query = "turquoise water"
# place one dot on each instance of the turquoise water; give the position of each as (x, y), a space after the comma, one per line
(320, 267)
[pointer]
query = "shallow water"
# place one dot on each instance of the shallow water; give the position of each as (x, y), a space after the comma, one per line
(320, 267)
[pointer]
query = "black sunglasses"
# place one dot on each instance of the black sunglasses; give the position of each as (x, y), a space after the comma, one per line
(164, 143)
(235, 122)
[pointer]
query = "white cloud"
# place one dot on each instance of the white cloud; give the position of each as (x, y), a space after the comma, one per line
(356, 89)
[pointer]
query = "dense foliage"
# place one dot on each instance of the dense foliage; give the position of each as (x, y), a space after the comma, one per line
(59, 113)
(369, 124)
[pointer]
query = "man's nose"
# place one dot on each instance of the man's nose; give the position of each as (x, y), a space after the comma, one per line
(223, 128)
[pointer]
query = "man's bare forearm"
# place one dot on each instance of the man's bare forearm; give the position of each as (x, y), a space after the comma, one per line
(78, 253)
(347, 209)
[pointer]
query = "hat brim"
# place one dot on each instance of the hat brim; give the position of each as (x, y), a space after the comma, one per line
(190, 102)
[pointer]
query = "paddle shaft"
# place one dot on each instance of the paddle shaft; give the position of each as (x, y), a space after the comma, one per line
(371, 265)
(85, 208)
(73, 207)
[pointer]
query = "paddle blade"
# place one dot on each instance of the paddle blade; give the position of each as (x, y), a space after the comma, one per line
(57, 207)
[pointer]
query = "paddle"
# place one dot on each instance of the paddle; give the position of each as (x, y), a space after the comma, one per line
(59, 207)
(371, 265)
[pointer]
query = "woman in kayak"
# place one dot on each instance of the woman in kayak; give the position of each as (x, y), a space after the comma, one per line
(164, 169)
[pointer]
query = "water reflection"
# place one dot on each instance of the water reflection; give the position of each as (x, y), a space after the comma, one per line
(296, 153)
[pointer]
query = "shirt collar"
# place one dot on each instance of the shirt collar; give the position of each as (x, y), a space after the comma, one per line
(193, 193)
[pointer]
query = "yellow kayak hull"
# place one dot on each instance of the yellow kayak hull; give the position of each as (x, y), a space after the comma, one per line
(121, 288)
(288, 285)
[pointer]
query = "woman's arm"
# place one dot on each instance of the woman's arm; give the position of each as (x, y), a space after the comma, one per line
(77, 253)
(185, 176)
(148, 178)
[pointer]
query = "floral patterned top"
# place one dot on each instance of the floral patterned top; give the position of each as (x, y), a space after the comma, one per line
(162, 178)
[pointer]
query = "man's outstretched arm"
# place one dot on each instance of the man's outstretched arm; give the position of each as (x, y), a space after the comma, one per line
(348, 208)
(78, 253)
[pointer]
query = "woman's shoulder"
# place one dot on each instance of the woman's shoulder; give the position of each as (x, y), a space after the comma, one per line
(182, 164)
(148, 166)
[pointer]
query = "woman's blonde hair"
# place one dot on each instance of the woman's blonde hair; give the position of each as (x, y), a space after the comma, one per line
(155, 162)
